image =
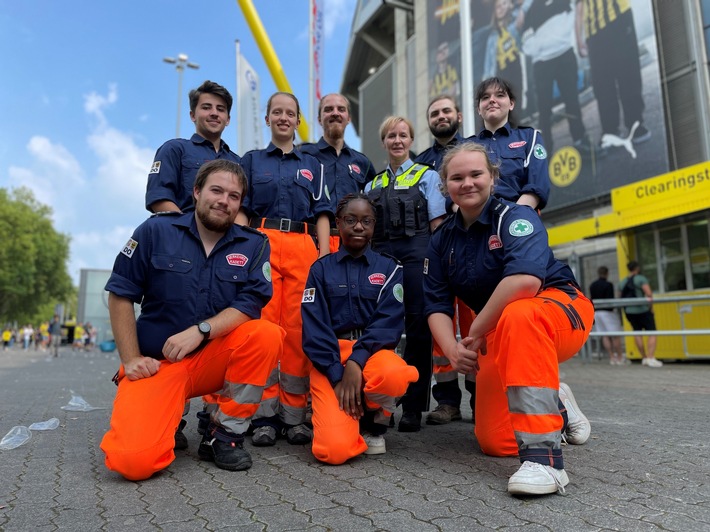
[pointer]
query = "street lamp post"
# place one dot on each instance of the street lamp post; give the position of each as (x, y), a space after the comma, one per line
(180, 63)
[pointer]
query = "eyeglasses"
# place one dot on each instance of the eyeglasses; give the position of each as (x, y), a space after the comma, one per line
(352, 222)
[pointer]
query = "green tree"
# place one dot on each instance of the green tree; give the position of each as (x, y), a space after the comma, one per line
(33, 257)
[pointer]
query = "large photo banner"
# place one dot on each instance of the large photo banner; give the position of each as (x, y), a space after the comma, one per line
(586, 74)
(444, 43)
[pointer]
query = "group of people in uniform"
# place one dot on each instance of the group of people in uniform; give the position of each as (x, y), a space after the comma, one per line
(293, 272)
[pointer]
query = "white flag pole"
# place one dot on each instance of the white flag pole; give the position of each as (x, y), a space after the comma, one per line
(237, 93)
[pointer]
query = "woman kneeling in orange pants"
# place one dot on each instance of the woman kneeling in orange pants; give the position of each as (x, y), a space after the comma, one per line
(353, 318)
(530, 316)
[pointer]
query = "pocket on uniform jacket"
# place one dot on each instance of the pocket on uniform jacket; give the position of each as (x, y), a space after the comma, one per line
(190, 166)
(370, 292)
(337, 296)
(170, 279)
(230, 281)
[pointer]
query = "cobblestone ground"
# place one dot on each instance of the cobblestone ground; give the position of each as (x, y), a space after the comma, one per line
(646, 466)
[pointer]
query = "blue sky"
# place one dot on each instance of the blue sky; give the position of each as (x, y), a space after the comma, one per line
(87, 99)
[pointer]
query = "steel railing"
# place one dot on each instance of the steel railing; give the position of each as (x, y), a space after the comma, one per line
(607, 304)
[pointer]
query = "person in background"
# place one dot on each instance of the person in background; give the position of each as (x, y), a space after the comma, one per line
(55, 334)
(172, 174)
(353, 318)
(548, 34)
(606, 33)
(287, 202)
(6, 338)
(346, 170)
(530, 316)
(607, 319)
(409, 206)
(444, 120)
(641, 316)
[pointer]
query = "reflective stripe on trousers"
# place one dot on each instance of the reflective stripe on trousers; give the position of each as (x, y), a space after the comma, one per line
(517, 385)
(146, 412)
(336, 436)
(292, 255)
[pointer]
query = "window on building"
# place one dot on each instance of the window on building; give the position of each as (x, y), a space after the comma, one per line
(676, 258)
(646, 253)
(699, 252)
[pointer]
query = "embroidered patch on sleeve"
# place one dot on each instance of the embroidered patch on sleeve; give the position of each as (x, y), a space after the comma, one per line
(426, 266)
(266, 270)
(539, 152)
(398, 292)
(155, 169)
(309, 295)
(520, 228)
(129, 248)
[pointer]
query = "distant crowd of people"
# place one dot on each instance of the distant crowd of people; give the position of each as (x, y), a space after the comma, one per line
(48, 336)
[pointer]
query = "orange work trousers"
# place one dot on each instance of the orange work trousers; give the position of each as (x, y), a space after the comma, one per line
(336, 435)
(334, 243)
(532, 337)
(146, 412)
(286, 394)
(443, 370)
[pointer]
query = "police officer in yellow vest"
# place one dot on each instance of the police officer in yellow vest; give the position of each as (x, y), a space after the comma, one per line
(409, 206)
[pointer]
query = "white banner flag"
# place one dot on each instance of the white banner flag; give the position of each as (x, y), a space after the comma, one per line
(248, 116)
(317, 38)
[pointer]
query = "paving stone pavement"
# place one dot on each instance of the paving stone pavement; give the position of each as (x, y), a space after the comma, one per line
(646, 466)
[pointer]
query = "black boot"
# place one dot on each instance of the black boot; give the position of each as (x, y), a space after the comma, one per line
(226, 450)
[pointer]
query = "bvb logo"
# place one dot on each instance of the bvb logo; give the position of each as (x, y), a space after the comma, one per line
(565, 166)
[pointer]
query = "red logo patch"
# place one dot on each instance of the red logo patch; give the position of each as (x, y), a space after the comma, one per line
(494, 242)
(518, 144)
(237, 259)
(307, 174)
(377, 278)
(355, 168)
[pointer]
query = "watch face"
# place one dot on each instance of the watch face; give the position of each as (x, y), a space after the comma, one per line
(204, 327)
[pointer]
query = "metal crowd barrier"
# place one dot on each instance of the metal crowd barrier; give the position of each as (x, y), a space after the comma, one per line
(606, 304)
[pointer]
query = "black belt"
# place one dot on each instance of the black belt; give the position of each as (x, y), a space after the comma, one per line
(334, 231)
(283, 224)
(353, 334)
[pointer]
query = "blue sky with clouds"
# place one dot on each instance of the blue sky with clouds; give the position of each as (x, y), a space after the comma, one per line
(86, 97)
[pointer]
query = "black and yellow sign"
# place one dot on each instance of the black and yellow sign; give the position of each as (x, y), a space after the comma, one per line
(565, 166)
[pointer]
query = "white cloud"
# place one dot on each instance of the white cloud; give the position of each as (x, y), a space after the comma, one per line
(55, 156)
(95, 103)
(336, 12)
(122, 172)
(54, 176)
(98, 207)
(96, 249)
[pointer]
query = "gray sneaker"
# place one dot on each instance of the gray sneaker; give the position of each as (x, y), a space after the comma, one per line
(264, 437)
(443, 414)
(299, 435)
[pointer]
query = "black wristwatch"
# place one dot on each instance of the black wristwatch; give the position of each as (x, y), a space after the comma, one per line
(205, 328)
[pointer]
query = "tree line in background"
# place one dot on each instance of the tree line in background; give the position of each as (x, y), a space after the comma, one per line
(33, 260)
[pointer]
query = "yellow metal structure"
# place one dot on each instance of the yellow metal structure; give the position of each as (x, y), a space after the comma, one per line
(658, 198)
(663, 197)
(269, 55)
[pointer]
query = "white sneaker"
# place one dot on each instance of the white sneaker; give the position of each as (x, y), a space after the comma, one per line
(578, 426)
(652, 363)
(375, 444)
(537, 479)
